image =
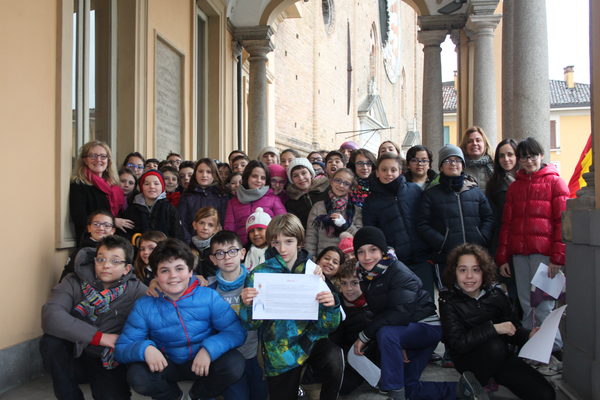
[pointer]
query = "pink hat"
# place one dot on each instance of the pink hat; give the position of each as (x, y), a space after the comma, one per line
(278, 171)
(346, 245)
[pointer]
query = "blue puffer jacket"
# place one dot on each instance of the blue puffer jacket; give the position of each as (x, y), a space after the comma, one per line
(200, 318)
(393, 208)
(450, 218)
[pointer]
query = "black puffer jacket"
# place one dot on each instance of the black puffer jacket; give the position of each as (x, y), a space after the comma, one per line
(396, 297)
(161, 217)
(450, 218)
(468, 323)
(300, 203)
(394, 212)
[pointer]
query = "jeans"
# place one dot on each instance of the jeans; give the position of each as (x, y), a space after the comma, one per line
(418, 340)
(251, 386)
(493, 359)
(68, 372)
(223, 371)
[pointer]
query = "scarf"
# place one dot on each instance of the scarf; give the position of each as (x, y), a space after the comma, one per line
(95, 302)
(455, 183)
(378, 269)
(334, 204)
(246, 196)
(361, 301)
(201, 244)
(116, 199)
(394, 186)
(227, 286)
(361, 191)
(485, 162)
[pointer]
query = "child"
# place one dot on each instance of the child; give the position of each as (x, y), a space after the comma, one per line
(346, 246)
(256, 226)
(253, 193)
(171, 177)
(362, 163)
(141, 266)
(187, 333)
(239, 163)
(151, 211)
(186, 170)
(151, 163)
(304, 189)
(234, 183)
(479, 325)
(127, 181)
(206, 189)
(330, 259)
(135, 162)
(288, 344)
(268, 155)
(100, 224)
(224, 171)
(287, 156)
(227, 254)
(334, 215)
(333, 161)
(206, 224)
(84, 317)
(404, 323)
(278, 181)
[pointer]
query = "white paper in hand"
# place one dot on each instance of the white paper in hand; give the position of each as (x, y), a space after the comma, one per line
(364, 367)
(552, 286)
(539, 347)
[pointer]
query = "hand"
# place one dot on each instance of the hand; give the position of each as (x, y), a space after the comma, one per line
(335, 216)
(248, 294)
(201, 363)
(203, 281)
(505, 270)
(319, 271)
(405, 357)
(326, 298)
(505, 328)
(553, 269)
(359, 347)
(109, 340)
(124, 224)
(153, 288)
(155, 360)
(533, 331)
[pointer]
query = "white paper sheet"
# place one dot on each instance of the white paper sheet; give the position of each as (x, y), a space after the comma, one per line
(364, 367)
(286, 296)
(539, 347)
(552, 286)
(309, 267)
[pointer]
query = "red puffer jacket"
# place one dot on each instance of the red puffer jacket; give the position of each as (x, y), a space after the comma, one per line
(531, 222)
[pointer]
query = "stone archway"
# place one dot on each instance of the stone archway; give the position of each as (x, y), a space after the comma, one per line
(273, 9)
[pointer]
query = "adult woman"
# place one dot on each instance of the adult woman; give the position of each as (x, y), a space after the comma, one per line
(531, 230)
(361, 162)
(304, 190)
(476, 148)
(419, 159)
(95, 186)
(479, 323)
(135, 162)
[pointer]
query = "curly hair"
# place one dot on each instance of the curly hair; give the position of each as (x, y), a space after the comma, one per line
(486, 264)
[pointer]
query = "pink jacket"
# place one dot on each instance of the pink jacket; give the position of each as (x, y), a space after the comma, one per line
(237, 212)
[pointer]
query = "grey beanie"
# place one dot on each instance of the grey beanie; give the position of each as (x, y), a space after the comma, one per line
(300, 162)
(450, 150)
(268, 149)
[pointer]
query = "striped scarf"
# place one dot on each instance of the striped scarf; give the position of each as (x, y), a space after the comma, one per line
(97, 302)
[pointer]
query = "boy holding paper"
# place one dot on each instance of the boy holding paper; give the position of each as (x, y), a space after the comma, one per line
(288, 344)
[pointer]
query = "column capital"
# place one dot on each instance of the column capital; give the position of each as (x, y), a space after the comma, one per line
(482, 7)
(477, 24)
(255, 39)
(236, 48)
(455, 37)
(432, 38)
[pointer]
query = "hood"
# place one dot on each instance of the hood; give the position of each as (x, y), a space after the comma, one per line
(139, 199)
(545, 170)
(319, 185)
(85, 268)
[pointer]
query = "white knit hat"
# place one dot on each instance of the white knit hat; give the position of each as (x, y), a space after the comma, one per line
(300, 162)
(258, 219)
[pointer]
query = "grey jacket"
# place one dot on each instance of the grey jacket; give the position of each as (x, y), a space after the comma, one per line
(60, 320)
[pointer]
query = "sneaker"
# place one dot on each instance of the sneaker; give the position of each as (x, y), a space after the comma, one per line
(447, 361)
(470, 388)
(435, 357)
(394, 394)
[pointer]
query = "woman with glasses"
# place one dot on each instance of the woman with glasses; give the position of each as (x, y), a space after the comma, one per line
(479, 161)
(95, 186)
(362, 163)
(531, 231)
(135, 162)
(334, 215)
(418, 167)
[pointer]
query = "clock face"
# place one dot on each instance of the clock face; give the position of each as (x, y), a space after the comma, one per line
(391, 49)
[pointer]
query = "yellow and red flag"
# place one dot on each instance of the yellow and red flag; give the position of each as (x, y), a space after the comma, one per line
(582, 166)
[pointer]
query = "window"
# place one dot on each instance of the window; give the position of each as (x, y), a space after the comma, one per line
(554, 137)
(446, 135)
(201, 92)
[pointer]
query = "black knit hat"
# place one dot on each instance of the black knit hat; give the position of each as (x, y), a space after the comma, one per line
(370, 235)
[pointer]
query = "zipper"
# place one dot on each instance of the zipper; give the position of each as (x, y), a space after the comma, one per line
(187, 337)
(462, 221)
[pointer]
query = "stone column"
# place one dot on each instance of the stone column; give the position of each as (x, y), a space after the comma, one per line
(507, 69)
(482, 28)
(531, 92)
(432, 117)
(257, 41)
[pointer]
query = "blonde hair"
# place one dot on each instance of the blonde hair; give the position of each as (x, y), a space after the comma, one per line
(109, 175)
(206, 212)
(465, 139)
(286, 225)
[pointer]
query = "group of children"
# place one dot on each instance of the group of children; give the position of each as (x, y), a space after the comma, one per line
(198, 253)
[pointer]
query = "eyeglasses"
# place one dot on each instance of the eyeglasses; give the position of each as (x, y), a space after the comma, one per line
(341, 182)
(114, 262)
(450, 161)
(135, 166)
(220, 254)
(363, 163)
(277, 181)
(419, 160)
(175, 162)
(97, 224)
(529, 158)
(101, 157)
